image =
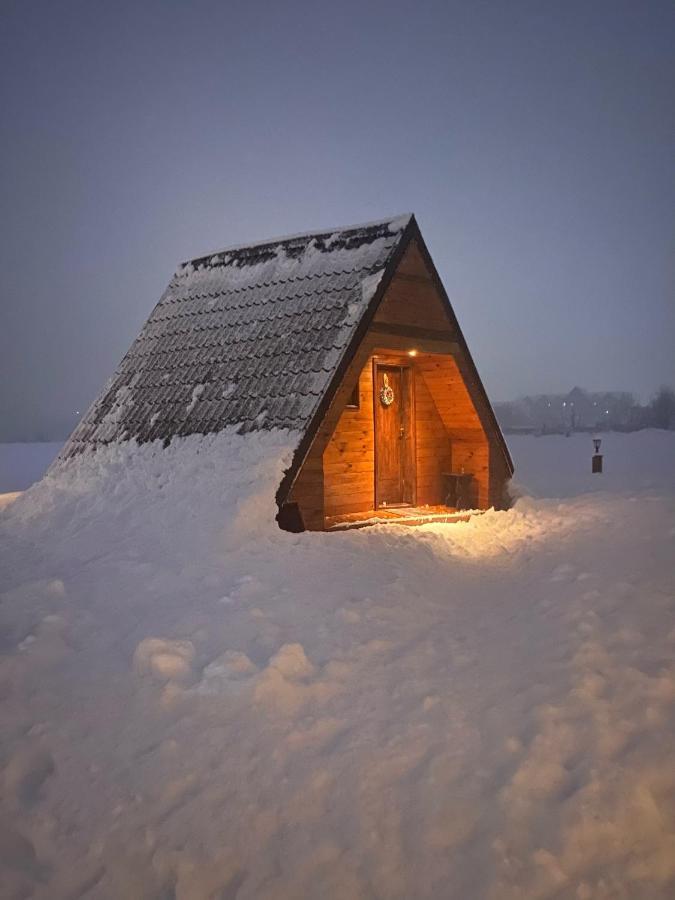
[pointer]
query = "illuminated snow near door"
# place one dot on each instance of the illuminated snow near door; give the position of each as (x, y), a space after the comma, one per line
(198, 705)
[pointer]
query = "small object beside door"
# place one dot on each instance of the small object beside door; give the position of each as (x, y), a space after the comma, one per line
(458, 489)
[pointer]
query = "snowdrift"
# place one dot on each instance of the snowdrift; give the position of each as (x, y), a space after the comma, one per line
(196, 704)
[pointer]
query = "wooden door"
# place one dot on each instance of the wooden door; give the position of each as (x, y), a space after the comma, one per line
(394, 438)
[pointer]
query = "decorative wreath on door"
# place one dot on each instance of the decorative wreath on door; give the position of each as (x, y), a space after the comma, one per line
(386, 392)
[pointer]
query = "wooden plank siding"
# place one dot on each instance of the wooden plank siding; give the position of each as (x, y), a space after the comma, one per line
(470, 446)
(434, 448)
(412, 299)
(349, 458)
(338, 475)
(307, 492)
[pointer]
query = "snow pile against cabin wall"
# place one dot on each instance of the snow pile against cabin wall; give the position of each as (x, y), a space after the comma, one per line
(225, 482)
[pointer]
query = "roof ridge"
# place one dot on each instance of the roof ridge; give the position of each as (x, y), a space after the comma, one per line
(396, 224)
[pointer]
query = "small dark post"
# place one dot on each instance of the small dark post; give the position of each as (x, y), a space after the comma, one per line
(596, 462)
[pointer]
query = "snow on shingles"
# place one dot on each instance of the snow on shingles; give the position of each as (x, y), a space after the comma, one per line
(261, 318)
(327, 235)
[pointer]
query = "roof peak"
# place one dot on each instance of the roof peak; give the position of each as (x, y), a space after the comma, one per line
(396, 224)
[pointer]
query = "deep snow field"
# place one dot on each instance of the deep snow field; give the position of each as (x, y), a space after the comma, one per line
(197, 705)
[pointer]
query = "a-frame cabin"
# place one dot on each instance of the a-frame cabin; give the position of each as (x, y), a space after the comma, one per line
(345, 337)
(370, 457)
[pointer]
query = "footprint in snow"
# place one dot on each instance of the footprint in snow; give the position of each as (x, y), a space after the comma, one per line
(229, 670)
(165, 660)
(350, 616)
(248, 586)
(26, 773)
(563, 572)
(623, 588)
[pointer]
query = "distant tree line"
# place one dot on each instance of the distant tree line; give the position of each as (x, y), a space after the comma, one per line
(581, 410)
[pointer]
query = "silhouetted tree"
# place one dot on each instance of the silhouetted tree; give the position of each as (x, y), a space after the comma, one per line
(662, 408)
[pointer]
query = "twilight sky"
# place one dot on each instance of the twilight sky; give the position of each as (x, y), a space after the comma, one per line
(535, 141)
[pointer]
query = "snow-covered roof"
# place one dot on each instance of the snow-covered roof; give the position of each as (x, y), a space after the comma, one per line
(250, 335)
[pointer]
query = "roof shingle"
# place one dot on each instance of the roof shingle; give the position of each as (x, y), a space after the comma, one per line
(248, 336)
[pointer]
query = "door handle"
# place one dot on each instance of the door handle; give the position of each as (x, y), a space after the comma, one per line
(401, 432)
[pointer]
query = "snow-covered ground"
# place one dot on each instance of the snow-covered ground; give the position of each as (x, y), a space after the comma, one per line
(198, 705)
(558, 466)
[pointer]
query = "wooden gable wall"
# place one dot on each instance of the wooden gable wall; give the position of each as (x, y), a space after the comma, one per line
(337, 476)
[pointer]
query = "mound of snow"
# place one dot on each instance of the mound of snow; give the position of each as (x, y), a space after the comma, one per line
(166, 660)
(196, 704)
